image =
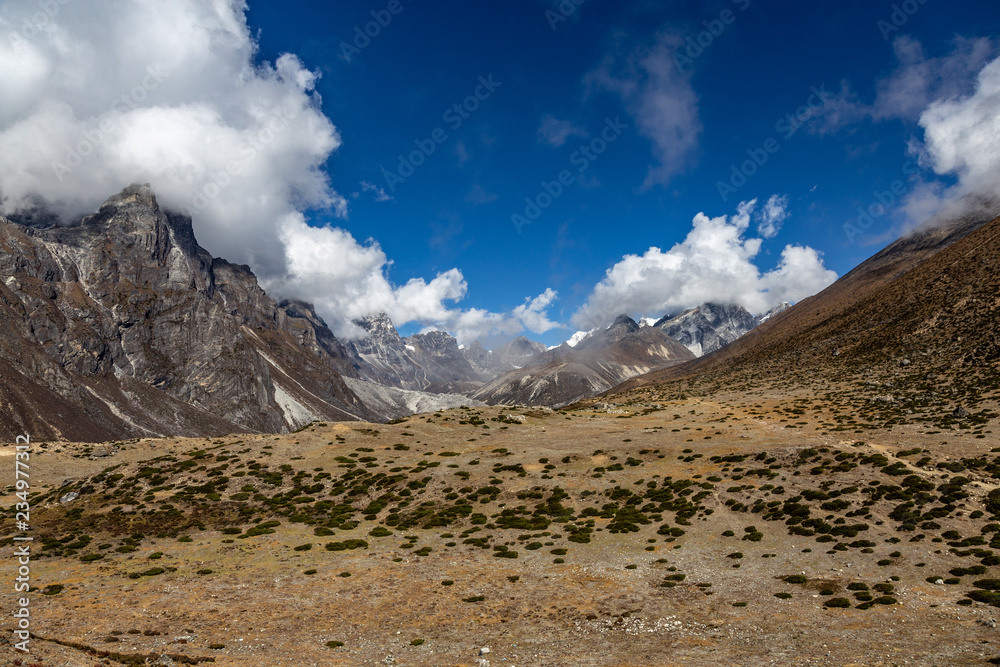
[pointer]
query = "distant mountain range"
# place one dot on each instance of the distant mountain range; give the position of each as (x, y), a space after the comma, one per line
(120, 325)
(600, 361)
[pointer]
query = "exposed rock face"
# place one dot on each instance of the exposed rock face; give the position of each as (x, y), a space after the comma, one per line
(127, 327)
(603, 360)
(708, 327)
(430, 362)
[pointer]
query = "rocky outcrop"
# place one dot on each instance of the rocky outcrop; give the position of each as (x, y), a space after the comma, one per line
(708, 327)
(122, 325)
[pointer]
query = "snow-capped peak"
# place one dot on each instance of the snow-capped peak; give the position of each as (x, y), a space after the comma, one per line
(576, 338)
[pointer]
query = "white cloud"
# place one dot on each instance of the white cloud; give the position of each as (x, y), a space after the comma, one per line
(962, 141)
(107, 93)
(774, 213)
(378, 192)
(555, 132)
(533, 315)
(962, 135)
(660, 98)
(475, 323)
(715, 263)
(916, 81)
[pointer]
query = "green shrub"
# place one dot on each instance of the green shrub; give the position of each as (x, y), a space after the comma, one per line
(837, 603)
(783, 596)
(795, 579)
(334, 644)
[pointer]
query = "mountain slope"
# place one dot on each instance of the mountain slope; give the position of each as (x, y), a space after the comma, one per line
(127, 327)
(565, 374)
(925, 308)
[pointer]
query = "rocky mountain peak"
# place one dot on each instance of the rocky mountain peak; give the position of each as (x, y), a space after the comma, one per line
(379, 327)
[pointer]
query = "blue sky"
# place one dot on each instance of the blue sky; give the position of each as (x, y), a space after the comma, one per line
(456, 208)
(445, 246)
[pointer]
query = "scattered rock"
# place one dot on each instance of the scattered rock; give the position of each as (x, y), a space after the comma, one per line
(69, 497)
(960, 413)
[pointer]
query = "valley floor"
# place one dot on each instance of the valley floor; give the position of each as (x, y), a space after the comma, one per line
(695, 532)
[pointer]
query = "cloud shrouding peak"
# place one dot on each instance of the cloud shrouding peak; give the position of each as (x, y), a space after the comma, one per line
(962, 136)
(240, 145)
(715, 263)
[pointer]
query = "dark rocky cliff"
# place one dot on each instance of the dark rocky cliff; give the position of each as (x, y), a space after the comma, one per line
(121, 325)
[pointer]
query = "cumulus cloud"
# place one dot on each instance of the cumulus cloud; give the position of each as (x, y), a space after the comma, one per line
(962, 135)
(961, 140)
(661, 100)
(714, 263)
(104, 93)
(532, 314)
(554, 132)
(774, 213)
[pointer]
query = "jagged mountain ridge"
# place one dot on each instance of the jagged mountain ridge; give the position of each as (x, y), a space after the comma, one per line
(710, 326)
(430, 362)
(565, 374)
(516, 354)
(127, 327)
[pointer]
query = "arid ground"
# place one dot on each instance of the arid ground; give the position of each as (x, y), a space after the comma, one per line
(636, 532)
